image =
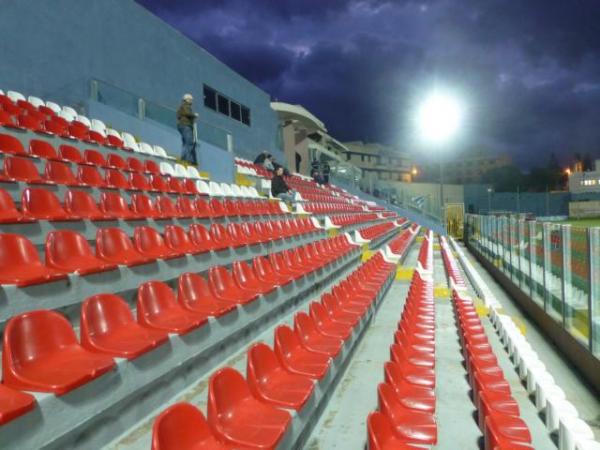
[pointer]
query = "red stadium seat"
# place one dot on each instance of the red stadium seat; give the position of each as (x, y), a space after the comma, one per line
(42, 149)
(142, 206)
(178, 240)
(10, 144)
(14, 404)
(94, 158)
(90, 176)
(114, 179)
(238, 417)
(138, 182)
(410, 425)
(157, 308)
(69, 251)
(114, 141)
(70, 153)
(270, 382)
(150, 243)
(202, 208)
(151, 167)
(135, 165)
(81, 204)
(312, 340)
(175, 186)
(184, 427)
(224, 287)
(185, 207)
(166, 207)
(40, 353)
(265, 272)
(107, 326)
(22, 169)
(409, 395)
(295, 358)
(158, 183)
(245, 278)
(326, 325)
(60, 173)
(113, 205)
(58, 126)
(217, 209)
(116, 161)
(220, 236)
(30, 122)
(40, 204)
(8, 210)
(193, 293)
(113, 245)
(381, 435)
(201, 238)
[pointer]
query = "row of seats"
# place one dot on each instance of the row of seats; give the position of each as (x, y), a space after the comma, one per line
(399, 244)
(327, 208)
(498, 412)
(352, 219)
(41, 204)
(39, 148)
(278, 380)
(41, 352)
(67, 251)
(376, 231)
(35, 115)
(406, 416)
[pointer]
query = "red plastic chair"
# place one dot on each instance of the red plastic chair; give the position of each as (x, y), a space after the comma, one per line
(178, 240)
(326, 325)
(201, 238)
(295, 358)
(135, 165)
(151, 167)
(150, 243)
(157, 308)
(220, 236)
(245, 278)
(312, 340)
(113, 245)
(10, 144)
(113, 205)
(107, 326)
(142, 206)
(224, 288)
(40, 353)
(185, 207)
(409, 395)
(138, 182)
(203, 209)
(70, 153)
(116, 161)
(166, 207)
(114, 179)
(60, 173)
(94, 158)
(413, 426)
(90, 176)
(175, 186)
(194, 294)
(22, 169)
(57, 126)
(381, 435)
(158, 183)
(500, 428)
(8, 211)
(217, 209)
(40, 204)
(42, 149)
(270, 382)
(238, 417)
(265, 272)
(183, 427)
(14, 404)
(69, 251)
(81, 204)
(114, 141)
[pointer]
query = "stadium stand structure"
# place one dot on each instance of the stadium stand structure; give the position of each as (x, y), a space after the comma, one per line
(145, 306)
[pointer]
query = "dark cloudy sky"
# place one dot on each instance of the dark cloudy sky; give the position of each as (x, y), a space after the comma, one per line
(529, 70)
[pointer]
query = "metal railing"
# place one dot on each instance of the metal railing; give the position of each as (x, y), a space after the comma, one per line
(556, 265)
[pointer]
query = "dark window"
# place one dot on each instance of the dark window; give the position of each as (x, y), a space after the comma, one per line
(245, 115)
(362, 158)
(348, 156)
(223, 105)
(210, 98)
(236, 112)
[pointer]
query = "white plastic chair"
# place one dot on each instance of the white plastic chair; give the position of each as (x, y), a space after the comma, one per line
(166, 169)
(145, 148)
(572, 430)
(129, 142)
(70, 111)
(246, 192)
(159, 151)
(253, 192)
(202, 187)
(55, 107)
(65, 115)
(180, 170)
(114, 133)
(2, 92)
(215, 189)
(15, 96)
(84, 120)
(226, 189)
(193, 173)
(557, 407)
(36, 101)
(236, 191)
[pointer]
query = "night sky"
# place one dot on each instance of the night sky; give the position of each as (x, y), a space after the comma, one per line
(528, 70)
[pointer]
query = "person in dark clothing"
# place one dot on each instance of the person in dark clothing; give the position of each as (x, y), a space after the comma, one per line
(325, 174)
(260, 159)
(317, 177)
(185, 125)
(279, 187)
(276, 166)
(298, 161)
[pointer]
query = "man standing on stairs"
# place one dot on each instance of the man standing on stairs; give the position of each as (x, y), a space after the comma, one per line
(185, 125)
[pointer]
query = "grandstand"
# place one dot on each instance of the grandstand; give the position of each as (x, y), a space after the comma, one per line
(147, 304)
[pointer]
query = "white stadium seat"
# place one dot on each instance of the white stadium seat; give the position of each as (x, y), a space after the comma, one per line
(15, 96)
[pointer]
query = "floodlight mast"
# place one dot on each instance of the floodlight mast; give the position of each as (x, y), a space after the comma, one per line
(439, 118)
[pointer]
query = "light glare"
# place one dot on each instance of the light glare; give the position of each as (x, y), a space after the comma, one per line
(439, 117)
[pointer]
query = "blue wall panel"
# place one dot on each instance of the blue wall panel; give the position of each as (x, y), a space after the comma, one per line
(52, 49)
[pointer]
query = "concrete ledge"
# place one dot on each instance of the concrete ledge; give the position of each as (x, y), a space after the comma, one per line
(94, 414)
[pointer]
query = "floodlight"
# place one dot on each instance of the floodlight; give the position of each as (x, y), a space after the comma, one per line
(439, 117)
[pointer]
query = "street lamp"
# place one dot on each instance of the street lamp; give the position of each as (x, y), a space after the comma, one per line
(439, 118)
(489, 191)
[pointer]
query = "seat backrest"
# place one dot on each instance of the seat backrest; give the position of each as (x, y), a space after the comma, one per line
(158, 183)
(192, 288)
(53, 106)
(215, 189)
(159, 151)
(177, 238)
(226, 389)
(35, 101)
(175, 185)
(261, 361)
(219, 234)
(59, 172)
(151, 167)
(40, 203)
(200, 236)
(70, 153)
(15, 96)
(154, 297)
(21, 169)
(81, 204)
(180, 171)
(112, 241)
(285, 343)
(113, 203)
(181, 426)
(17, 250)
(192, 172)
(202, 187)
(43, 149)
(185, 206)
(166, 169)
(146, 238)
(61, 245)
(115, 179)
(102, 314)
(202, 208)
(90, 176)
(138, 181)
(217, 208)
(145, 148)
(116, 161)
(379, 430)
(226, 189)
(33, 335)
(165, 207)
(135, 165)
(142, 205)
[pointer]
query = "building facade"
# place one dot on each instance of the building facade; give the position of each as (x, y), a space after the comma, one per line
(379, 162)
(462, 168)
